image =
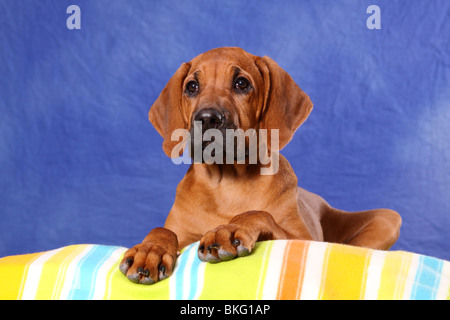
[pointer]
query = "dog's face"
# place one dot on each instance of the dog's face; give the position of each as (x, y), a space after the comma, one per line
(228, 88)
(223, 90)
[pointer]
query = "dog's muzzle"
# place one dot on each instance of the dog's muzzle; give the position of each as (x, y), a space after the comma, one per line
(209, 119)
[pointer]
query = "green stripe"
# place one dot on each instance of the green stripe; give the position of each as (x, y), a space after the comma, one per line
(222, 279)
(266, 255)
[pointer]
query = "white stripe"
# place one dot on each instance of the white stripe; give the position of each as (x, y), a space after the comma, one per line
(173, 280)
(102, 274)
(71, 273)
(275, 264)
(444, 285)
(34, 275)
(312, 279)
(200, 278)
(24, 276)
(373, 277)
(61, 273)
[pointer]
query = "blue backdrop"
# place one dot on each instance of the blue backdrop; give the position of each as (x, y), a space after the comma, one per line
(80, 163)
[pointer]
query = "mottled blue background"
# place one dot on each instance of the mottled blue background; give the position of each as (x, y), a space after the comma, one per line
(80, 163)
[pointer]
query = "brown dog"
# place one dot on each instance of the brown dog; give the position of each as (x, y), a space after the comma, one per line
(229, 207)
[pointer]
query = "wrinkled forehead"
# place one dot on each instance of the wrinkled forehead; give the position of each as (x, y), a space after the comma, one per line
(224, 62)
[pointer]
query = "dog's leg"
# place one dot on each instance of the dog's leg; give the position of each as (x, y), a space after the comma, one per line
(375, 229)
(239, 236)
(153, 259)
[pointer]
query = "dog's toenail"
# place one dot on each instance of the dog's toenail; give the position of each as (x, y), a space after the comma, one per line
(236, 242)
(147, 280)
(129, 261)
(242, 251)
(162, 269)
(211, 258)
(124, 268)
(225, 255)
(201, 256)
(134, 277)
(140, 270)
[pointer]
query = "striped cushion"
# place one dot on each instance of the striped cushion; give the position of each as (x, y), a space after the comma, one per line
(279, 269)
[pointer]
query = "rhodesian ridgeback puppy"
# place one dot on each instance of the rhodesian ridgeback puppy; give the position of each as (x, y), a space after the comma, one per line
(231, 206)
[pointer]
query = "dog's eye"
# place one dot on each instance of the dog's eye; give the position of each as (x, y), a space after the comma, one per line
(192, 87)
(241, 84)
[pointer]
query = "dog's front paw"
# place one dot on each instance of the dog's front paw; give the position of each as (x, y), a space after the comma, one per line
(152, 260)
(238, 238)
(226, 242)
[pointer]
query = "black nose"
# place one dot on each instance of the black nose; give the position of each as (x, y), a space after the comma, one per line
(210, 118)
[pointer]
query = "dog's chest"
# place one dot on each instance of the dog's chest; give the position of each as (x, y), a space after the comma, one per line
(239, 195)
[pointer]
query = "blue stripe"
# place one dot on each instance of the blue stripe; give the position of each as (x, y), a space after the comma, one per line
(87, 269)
(182, 262)
(76, 283)
(427, 279)
(193, 268)
(108, 251)
(194, 272)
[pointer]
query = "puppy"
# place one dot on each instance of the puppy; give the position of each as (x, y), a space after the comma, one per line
(230, 205)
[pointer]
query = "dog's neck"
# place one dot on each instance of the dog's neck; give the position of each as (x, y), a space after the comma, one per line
(220, 171)
(235, 171)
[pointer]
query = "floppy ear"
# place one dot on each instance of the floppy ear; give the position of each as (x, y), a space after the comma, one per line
(286, 106)
(166, 113)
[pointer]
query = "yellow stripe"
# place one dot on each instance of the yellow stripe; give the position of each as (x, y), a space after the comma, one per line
(13, 273)
(344, 273)
(393, 280)
(50, 272)
(400, 288)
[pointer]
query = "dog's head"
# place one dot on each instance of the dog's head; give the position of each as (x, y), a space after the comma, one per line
(229, 88)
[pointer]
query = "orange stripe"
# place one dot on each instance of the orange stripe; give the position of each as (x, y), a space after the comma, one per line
(293, 270)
